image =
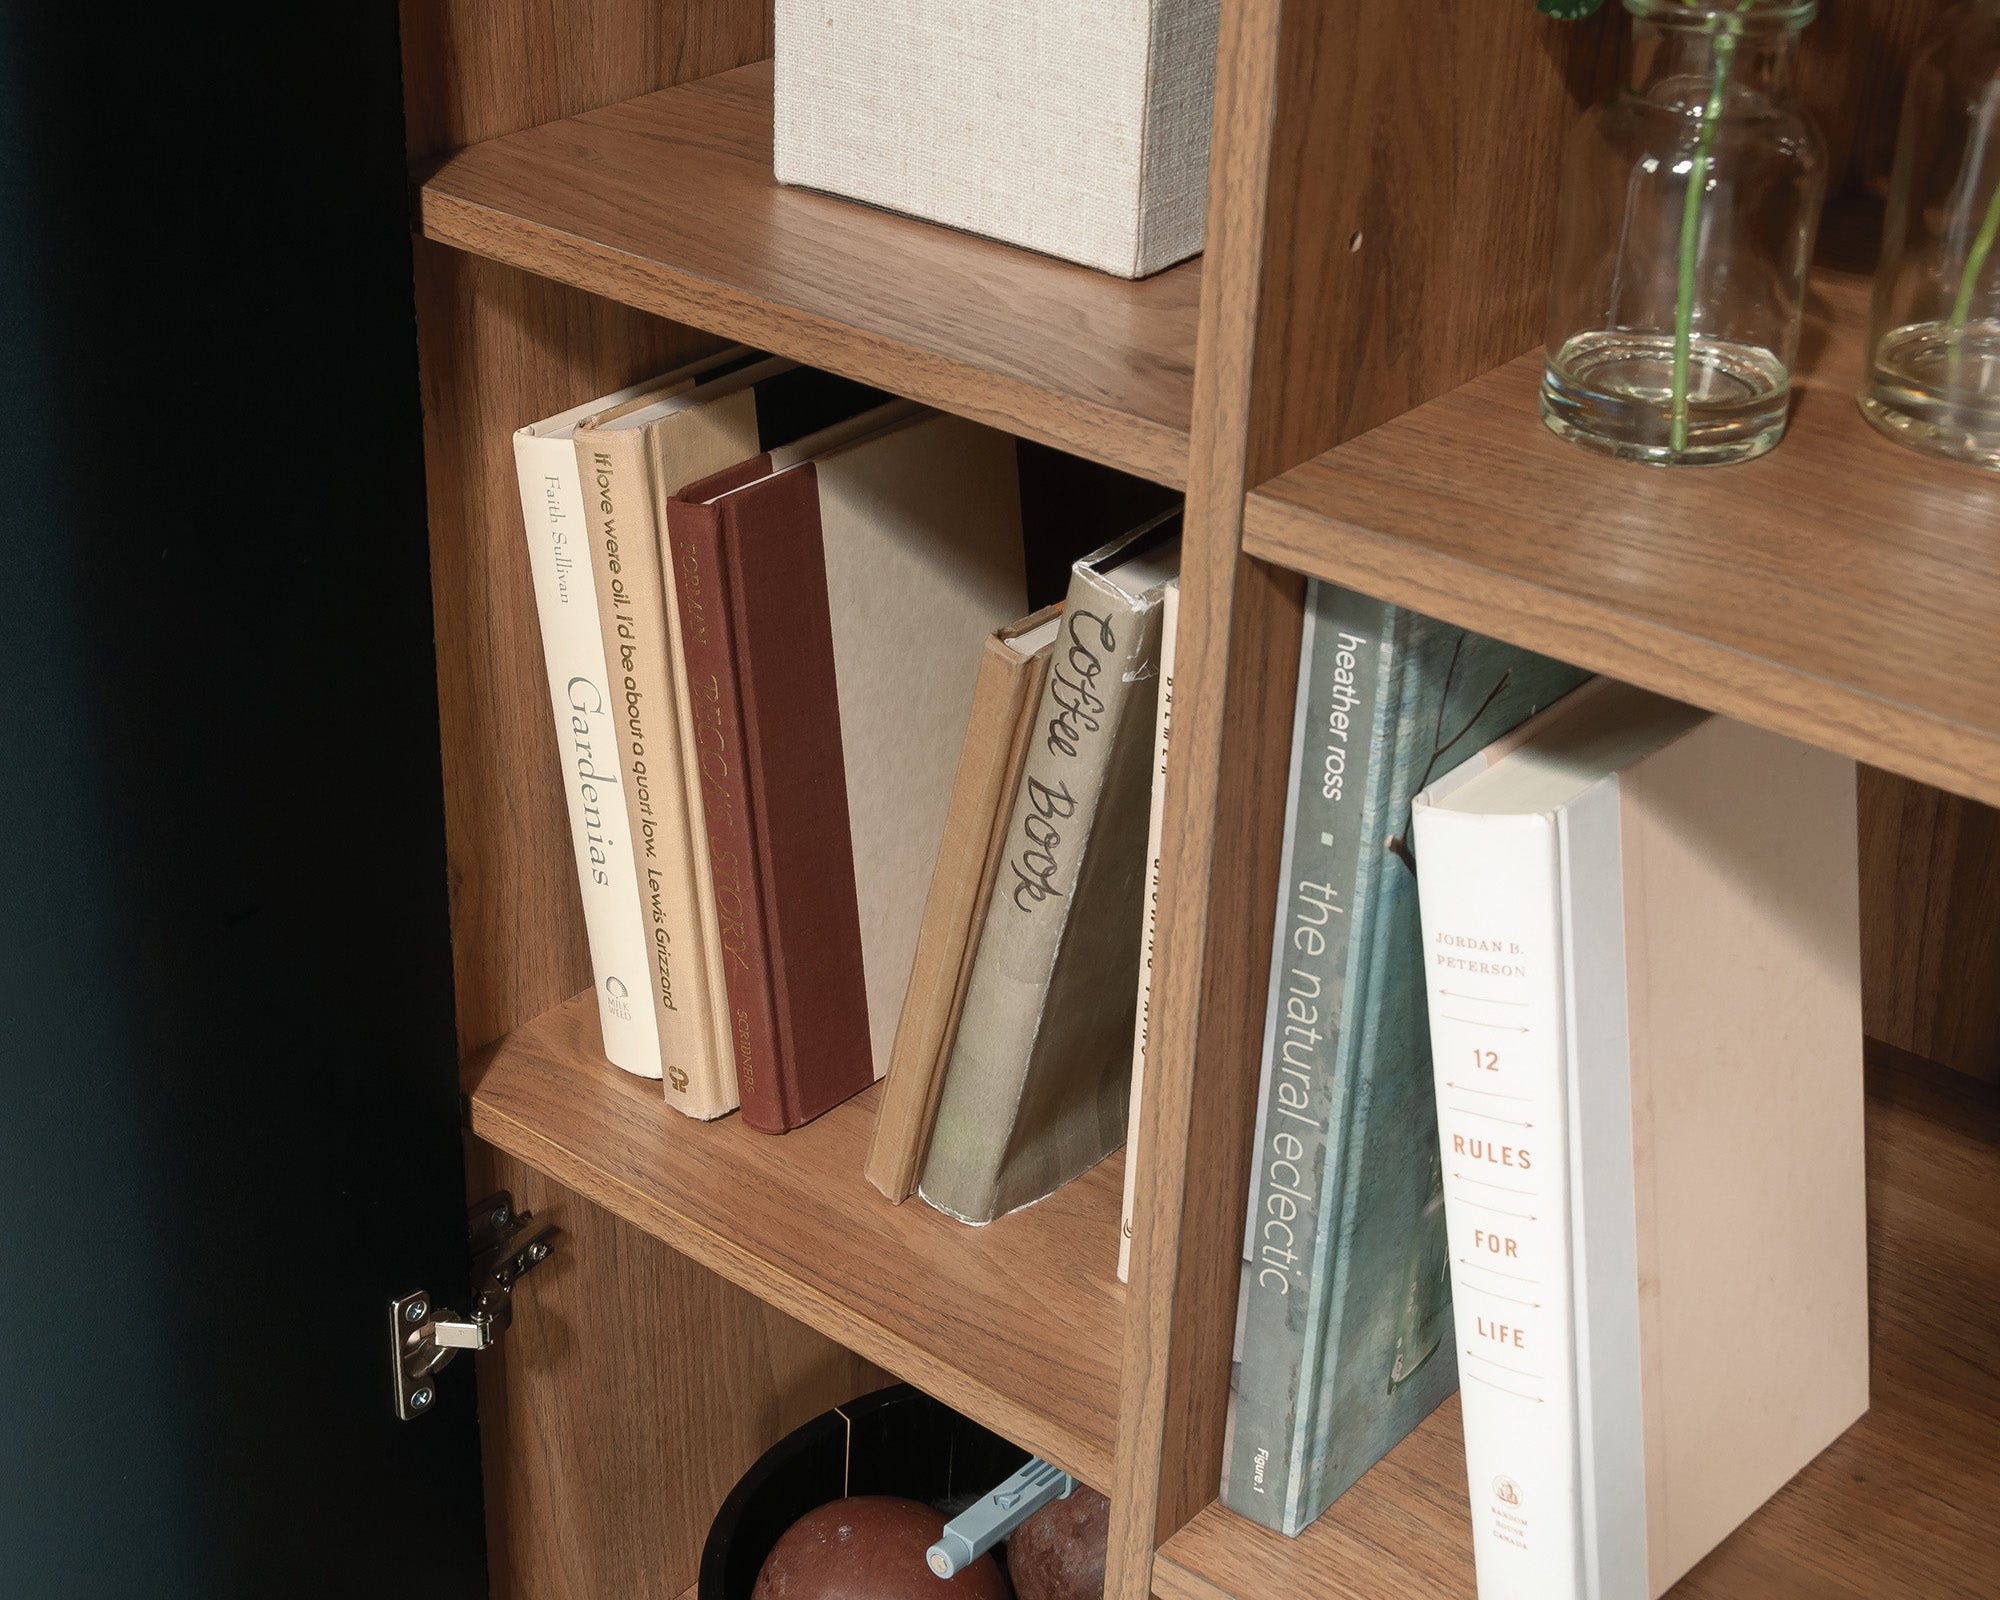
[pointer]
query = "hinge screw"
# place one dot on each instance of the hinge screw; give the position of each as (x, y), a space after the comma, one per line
(501, 1217)
(538, 1251)
(419, 1398)
(415, 1311)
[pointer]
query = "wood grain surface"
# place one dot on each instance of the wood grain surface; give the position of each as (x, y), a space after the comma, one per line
(1900, 1508)
(631, 1392)
(1016, 1324)
(667, 203)
(473, 69)
(1841, 589)
(1415, 149)
(500, 349)
(1930, 923)
(1236, 665)
(1853, 61)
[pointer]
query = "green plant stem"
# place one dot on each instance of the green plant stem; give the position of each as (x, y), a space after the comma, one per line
(1968, 285)
(1704, 149)
(1975, 261)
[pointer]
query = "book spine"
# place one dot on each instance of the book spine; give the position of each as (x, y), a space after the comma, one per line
(715, 696)
(1170, 612)
(552, 511)
(1103, 655)
(795, 783)
(1333, 767)
(625, 559)
(697, 862)
(1490, 894)
(989, 770)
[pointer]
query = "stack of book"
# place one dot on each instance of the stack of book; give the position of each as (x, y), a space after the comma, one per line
(842, 804)
(1561, 1102)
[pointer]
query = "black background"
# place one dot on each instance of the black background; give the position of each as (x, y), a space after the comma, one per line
(228, 1109)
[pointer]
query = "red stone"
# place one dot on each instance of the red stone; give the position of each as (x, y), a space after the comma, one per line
(1058, 1553)
(872, 1547)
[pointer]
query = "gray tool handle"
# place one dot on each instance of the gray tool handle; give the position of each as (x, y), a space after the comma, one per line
(978, 1528)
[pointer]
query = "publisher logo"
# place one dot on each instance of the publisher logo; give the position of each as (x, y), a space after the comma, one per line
(1507, 1491)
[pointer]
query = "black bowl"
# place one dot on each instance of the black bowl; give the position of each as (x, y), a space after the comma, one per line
(895, 1441)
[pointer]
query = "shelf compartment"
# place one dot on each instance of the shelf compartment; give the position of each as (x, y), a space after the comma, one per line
(1842, 589)
(1901, 1505)
(1016, 1324)
(667, 203)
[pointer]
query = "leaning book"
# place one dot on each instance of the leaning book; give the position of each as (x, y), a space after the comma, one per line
(1039, 1082)
(1343, 1334)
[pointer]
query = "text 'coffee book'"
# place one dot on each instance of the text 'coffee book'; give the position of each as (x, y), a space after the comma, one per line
(1039, 1081)
(1012, 669)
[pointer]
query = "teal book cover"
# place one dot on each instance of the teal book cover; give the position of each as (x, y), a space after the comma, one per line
(1343, 1333)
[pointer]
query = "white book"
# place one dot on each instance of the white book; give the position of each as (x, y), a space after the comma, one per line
(1642, 945)
(1080, 129)
(1170, 616)
(552, 512)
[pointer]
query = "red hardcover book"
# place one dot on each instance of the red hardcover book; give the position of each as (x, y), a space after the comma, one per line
(759, 653)
(835, 596)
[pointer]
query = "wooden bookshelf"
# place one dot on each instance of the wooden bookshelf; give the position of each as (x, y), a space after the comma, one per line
(1015, 1324)
(1842, 589)
(1901, 1504)
(667, 203)
(1339, 387)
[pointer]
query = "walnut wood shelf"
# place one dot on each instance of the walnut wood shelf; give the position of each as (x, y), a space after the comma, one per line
(1842, 589)
(1016, 1324)
(667, 203)
(1901, 1506)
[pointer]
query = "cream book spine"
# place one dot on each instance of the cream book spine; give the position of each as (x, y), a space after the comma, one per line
(1489, 889)
(552, 510)
(625, 559)
(1170, 614)
(682, 446)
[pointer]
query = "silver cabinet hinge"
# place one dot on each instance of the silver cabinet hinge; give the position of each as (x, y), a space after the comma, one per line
(424, 1338)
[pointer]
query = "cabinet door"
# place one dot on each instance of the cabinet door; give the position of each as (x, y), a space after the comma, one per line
(229, 1108)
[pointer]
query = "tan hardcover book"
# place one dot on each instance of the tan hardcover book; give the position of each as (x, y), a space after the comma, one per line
(1642, 949)
(1012, 668)
(671, 439)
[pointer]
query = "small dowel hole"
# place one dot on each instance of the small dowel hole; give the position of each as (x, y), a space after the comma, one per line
(1354, 241)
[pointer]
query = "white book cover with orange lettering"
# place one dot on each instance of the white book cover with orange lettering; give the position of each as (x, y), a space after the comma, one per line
(1642, 961)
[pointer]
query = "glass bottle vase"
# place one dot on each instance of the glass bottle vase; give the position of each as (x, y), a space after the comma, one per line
(1933, 374)
(1688, 210)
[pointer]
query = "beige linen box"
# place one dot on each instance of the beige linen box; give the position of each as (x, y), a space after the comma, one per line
(1078, 128)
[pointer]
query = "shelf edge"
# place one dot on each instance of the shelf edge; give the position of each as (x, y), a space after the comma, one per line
(1086, 1459)
(1704, 672)
(1112, 438)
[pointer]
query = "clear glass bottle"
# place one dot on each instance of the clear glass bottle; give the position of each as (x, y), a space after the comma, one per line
(1689, 205)
(1933, 379)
